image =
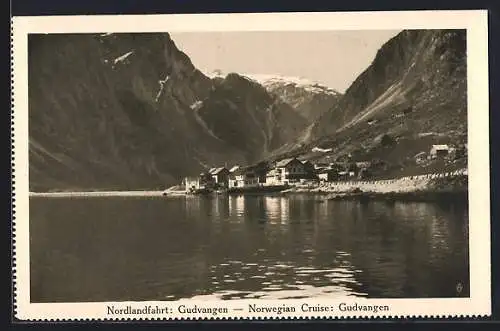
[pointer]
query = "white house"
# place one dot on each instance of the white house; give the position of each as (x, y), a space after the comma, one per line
(273, 177)
(243, 178)
(288, 171)
(439, 151)
(203, 181)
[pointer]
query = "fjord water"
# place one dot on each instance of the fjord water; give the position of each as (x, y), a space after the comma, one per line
(154, 248)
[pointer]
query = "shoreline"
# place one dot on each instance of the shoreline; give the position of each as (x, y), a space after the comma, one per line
(420, 196)
(415, 188)
(97, 194)
(416, 196)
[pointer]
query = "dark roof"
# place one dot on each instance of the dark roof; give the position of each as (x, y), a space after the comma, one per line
(285, 162)
(326, 170)
(241, 171)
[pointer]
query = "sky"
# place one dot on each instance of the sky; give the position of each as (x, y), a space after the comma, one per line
(334, 58)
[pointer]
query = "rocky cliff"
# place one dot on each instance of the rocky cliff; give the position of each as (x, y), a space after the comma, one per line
(130, 111)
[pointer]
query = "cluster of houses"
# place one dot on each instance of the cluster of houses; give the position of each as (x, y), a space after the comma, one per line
(292, 171)
(284, 172)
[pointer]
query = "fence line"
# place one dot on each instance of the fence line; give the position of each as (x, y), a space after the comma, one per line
(402, 184)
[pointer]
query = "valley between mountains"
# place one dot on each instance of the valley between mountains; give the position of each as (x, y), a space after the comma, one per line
(131, 111)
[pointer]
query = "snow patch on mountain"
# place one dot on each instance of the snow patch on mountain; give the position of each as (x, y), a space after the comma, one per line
(123, 57)
(196, 105)
(270, 80)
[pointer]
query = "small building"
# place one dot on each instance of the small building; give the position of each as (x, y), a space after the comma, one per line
(202, 182)
(220, 176)
(328, 175)
(439, 151)
(243, 177)
(260, 171)
(273, 177)
(291, 170)
(191, 183)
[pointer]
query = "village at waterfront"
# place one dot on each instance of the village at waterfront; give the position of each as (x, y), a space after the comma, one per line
(441, 171)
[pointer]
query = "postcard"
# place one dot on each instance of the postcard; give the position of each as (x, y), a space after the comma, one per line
(255, 166)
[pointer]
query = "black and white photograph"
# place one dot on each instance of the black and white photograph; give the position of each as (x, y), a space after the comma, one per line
(219, 166)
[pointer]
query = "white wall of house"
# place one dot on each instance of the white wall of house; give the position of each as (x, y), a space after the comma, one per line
(243, 181)
(323, 176)
(273, 179)
(192, 184)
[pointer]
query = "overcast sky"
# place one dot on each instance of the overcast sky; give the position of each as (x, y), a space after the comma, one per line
(334, 58)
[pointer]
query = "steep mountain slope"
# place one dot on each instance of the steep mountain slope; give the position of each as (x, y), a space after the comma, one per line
(122, 111)
(414, 91)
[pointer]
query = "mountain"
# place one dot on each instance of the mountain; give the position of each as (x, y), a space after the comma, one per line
(308, 98)
(414, 91)
(131, 111)
(265, 124)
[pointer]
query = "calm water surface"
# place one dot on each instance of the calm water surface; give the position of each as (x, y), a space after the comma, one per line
(114, 249)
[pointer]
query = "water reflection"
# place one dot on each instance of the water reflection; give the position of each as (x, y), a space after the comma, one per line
(276, 209)
(239, 203)
(244, 247)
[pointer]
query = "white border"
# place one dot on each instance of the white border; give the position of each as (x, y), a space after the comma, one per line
(479, 303)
